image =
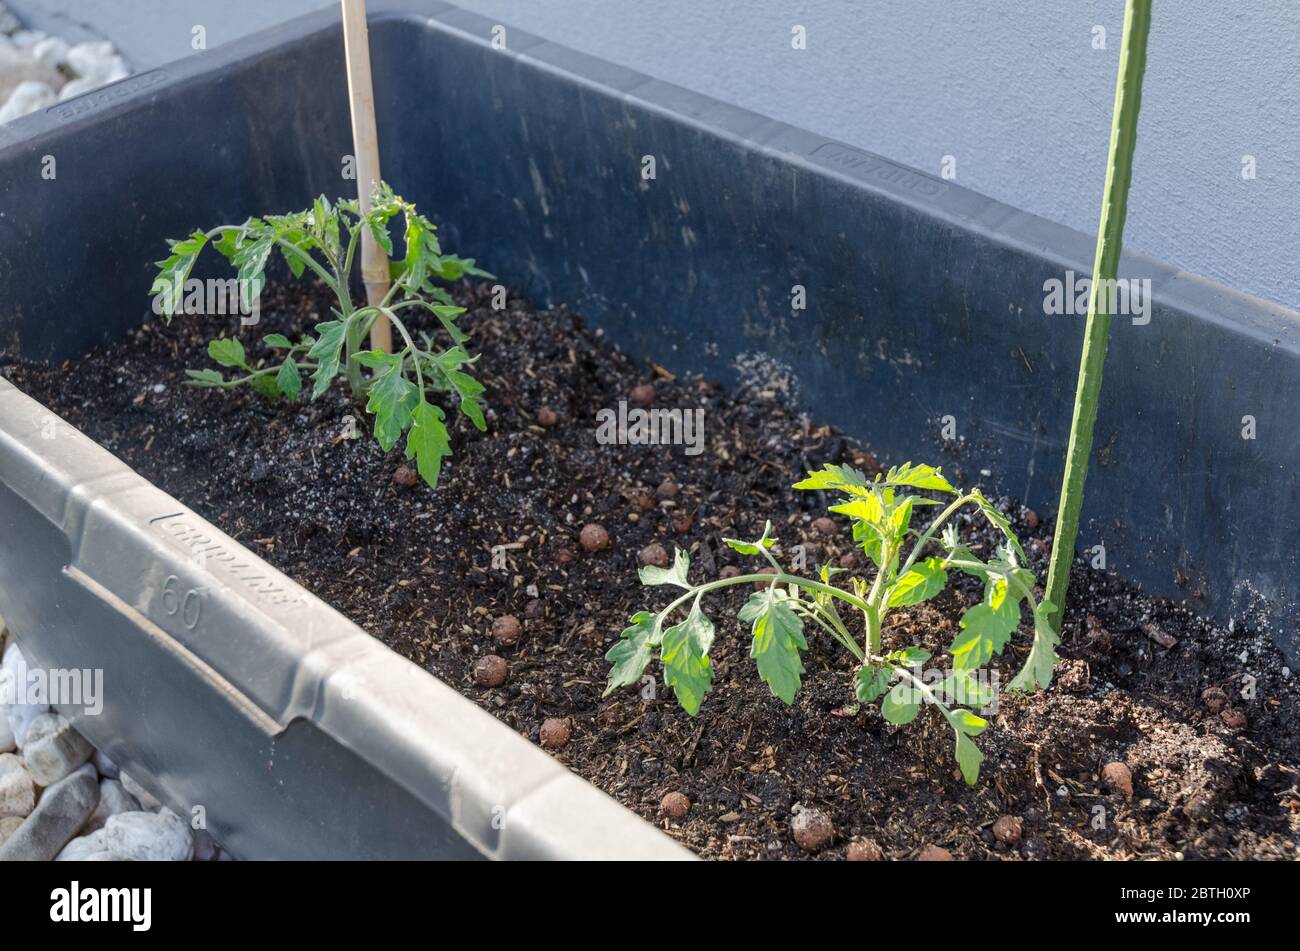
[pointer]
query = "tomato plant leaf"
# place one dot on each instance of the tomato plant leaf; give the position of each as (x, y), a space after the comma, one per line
(174, 271)
(685, 656)
(228, 352)
(900, 705)
(327, 351)
(428, 442)
(205, 377)
(287, 380)
(754, 547)
(1038, 668)
(778, 639)
(392, 400)
(631, 654)
(984, 632)
(919, 477)
(651, 575)
(922, 582)
(871, 682)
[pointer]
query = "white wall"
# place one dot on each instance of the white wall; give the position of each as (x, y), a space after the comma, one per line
(1015, 92)
(1011, 88)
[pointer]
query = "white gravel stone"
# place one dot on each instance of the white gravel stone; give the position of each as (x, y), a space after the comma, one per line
(117, 69)
(8, 826)
(18, 66)
(25, 38)
(30, 96)
(113, 799)
(106, 767)
(149, 837)
(53, 748)
(62, 810)
(93, 60)
(13, 680)
(20, 716)
(75, 87)
(82, 847)
(17, 788)
(52, 50)
(147, 800)
(7, 742)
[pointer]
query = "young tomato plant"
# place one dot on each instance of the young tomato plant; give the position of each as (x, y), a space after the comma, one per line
(401, 388)
(912, 565)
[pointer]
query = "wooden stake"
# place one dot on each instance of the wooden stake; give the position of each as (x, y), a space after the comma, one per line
(365, 141)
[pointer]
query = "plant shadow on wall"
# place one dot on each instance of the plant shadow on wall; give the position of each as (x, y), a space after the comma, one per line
(881, 512)
(402, 387)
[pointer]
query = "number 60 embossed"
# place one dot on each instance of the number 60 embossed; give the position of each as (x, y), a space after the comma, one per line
(188, 606)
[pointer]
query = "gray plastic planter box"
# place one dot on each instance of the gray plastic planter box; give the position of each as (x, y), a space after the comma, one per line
(228, 686)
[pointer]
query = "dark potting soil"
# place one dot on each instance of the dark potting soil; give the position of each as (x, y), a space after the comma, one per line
(415, 568)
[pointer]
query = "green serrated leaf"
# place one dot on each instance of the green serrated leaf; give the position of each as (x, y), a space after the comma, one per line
(868, 537)
(985, 631)
(174, 271)
(962, 687)
(266, 386)
(1001, 521)
(279, 341)
(392, 399)
(379, 231)
(868, 508)
(909, 657)
(919, 477)
(296, 264)
(871, 682)
(228, 352)
(1037, 671)
(250, 258)
(778, 639)
(414, 269)
(685, 656)
(967, 723)
(828, 571)
(631, 654)
(900, 519)
(833, 477)
(754, 547)
(228, 243)
(447, 317)
(676, 575)
(969, 758)
(325, 224)
(327, 351)
(922, 582)
(427, 442)
(900, 705)
(205, 377)
(374, 359)
(288, 380)
(466, 387)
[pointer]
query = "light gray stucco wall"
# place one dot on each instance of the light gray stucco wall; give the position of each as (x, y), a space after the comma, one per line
(1013, 90)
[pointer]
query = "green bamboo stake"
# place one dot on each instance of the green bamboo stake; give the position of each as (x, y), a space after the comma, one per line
(1110, 232)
